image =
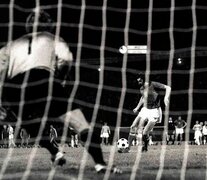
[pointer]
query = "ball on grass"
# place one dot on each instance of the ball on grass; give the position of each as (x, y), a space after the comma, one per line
(123, 145)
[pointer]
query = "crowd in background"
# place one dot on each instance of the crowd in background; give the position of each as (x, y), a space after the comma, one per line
(176, 131)
(174, 135)
(8, 139)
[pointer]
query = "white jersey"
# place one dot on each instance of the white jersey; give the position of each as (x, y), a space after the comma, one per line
(197, 127)
(204, 130)
(10, 130)
(105, 131)
(39, 50)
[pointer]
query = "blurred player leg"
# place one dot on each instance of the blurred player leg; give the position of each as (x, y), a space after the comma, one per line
(181, 131)
(204, 139)
(136, 127)
(167, 138)
(132, 136)
(176, 137)
(147, 129)
(72, 142)
(78, 122)
(139, 138)
(150, 138)
(76, 140)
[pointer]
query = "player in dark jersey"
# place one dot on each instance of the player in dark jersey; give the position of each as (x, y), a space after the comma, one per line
(53, 135)
(32, 71)
(170, 134)
(151, 112)
(24, 135)
(4, 136)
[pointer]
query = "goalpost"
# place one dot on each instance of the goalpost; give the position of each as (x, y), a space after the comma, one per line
(112, 42)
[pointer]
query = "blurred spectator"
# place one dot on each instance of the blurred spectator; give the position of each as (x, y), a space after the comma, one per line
(197, 133)
(25, 136)
(4, 136)
(171, 131)
(53, 135)
(10, 131)
(74, 138)
(150, 138)
(180, 124)
(105, 133)
(204, 131)
(132, 136)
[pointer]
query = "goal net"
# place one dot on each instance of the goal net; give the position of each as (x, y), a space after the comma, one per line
(112, 42)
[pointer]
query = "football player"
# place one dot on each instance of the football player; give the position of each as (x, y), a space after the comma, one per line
(4, 136)
(24, 135)
(53, 135)
(10, 131)
(105, 133)
(197, 133)
(32, 69)
(151, 112)
(204, 131)
(74, 138)
(180, 124)
(170, 134)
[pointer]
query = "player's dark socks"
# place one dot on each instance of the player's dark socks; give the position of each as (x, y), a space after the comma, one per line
(146, 141)
(94, 148)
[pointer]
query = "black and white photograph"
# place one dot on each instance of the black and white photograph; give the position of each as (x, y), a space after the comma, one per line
(103, 90)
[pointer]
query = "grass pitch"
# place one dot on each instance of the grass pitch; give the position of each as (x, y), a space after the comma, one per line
(148, 166)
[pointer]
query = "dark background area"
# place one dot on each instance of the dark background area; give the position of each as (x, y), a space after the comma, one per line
(138, 34)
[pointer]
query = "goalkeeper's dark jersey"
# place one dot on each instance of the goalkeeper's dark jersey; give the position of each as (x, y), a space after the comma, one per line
(152, 96)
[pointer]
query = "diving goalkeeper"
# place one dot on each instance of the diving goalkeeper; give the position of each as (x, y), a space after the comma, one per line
(32, 69)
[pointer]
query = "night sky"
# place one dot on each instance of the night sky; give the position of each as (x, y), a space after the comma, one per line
(138, 35)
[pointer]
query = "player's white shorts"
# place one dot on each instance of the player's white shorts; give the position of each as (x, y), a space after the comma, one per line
(205, 131)
(151, 114)
(197, 134)
(104, 135)
(11, 136)
(179, 131)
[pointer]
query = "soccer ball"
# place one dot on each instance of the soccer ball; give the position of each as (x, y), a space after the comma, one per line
(122, 145)
(123, 49)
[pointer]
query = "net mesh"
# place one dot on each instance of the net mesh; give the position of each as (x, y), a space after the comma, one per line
(103, 81)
